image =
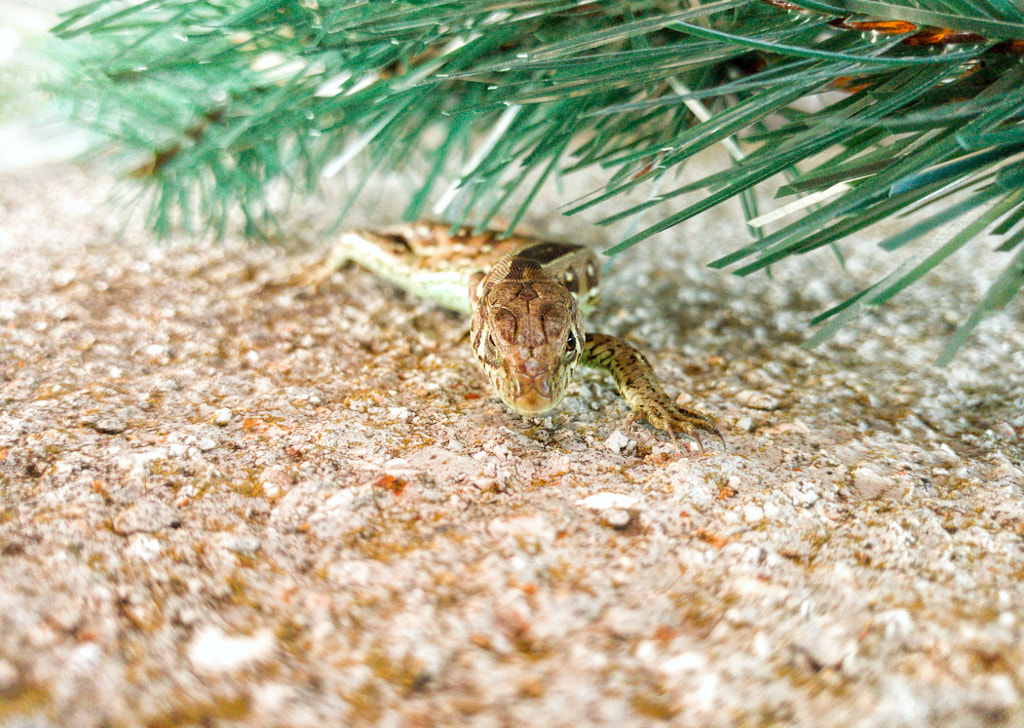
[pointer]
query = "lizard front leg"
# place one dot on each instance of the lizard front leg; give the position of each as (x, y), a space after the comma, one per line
(641, 389)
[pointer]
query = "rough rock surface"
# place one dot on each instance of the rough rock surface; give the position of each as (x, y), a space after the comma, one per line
(229, 501)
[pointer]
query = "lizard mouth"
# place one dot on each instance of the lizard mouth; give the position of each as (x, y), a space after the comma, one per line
(532, 397)
(531, 404)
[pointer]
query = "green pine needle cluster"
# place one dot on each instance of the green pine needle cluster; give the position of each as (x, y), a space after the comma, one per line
(917, 101)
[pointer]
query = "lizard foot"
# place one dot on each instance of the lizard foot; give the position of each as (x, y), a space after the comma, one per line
(664, 414)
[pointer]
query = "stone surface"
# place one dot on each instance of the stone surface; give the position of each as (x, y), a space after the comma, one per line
(317, 514)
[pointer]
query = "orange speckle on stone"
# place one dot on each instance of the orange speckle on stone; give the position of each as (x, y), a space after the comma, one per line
(389, 483)
(712, 538)
(665, 633)
(726, 492)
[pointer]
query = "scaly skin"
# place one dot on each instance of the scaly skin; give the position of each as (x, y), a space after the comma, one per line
(641, 389)
(527, 330)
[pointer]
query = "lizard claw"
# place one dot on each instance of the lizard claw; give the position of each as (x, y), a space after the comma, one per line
(673, 419)
(643, 392)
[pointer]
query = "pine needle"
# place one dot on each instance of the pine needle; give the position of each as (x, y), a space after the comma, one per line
(208, 103)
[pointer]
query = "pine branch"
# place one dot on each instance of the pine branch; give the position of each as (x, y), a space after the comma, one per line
(209, 102)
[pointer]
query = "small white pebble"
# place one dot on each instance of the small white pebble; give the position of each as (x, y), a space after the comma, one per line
(617, 518)
(143, 547)
(402, 414)
(222, 417)
(604, 500)
(771, 511)
(753, 513)
(870, 485)
(84, 658)
(757, 400)
(206, 444)
(617, 441)
(213, 651)
(944, 455)
(803, 493)
(1002, 691)
(111, 425)
(687, 662)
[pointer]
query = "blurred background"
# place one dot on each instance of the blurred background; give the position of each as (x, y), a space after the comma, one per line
(30, 132)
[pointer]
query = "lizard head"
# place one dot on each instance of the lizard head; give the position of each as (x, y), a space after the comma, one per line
(528, 337)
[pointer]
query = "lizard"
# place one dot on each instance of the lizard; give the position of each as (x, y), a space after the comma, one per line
(527, 297)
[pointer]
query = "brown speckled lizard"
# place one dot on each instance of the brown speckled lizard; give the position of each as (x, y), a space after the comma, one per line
(525, 296)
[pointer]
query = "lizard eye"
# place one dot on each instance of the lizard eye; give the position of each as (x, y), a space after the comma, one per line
(570, 342)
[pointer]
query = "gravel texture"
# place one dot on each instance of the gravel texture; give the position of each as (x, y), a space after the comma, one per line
(230, 501)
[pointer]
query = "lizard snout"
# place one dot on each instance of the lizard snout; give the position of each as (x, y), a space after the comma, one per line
(532, 392)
